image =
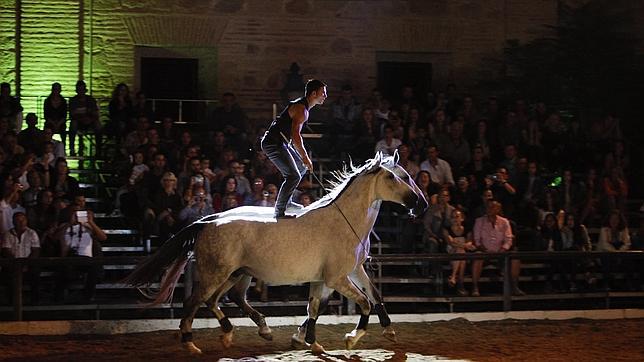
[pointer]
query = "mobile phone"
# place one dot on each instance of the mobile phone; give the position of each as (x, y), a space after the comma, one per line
(81, 216)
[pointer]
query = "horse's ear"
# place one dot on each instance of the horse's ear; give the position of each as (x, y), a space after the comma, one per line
(396, 157)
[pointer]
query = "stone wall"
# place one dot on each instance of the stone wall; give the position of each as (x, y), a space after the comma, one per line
(256, 40)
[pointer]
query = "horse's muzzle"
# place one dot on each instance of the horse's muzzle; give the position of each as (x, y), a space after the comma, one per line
(416, 204)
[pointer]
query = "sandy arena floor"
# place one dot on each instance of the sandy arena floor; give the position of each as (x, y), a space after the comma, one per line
(576, 340)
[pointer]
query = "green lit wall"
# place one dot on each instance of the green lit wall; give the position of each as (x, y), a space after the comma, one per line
(7, 42)
(49, 50)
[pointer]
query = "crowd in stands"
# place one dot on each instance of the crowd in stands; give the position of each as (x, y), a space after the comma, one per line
(500, 175)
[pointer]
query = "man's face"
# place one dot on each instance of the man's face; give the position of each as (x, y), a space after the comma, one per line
(367, 114)
(493, 208)
(20, 222)
(195, 165)
(432, 153)
(532, 168)
(159, 161)
(228, 101)
(319, 95)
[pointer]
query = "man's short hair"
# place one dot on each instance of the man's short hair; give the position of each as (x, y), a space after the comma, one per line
(312, 85)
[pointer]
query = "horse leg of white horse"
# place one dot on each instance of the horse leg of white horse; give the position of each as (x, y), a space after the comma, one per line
(238, 295)
(346, 287)
(362, 280)
(200, 293)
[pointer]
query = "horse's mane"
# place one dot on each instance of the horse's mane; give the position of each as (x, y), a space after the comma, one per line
(343, 178)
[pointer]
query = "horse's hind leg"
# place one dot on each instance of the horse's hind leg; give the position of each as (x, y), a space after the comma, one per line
(238, 295)
(346, 287)
(362, 280)
(213, 304)
(200, 293)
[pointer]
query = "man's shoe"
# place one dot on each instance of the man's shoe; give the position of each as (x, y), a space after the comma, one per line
(285, 216)
(517, 292)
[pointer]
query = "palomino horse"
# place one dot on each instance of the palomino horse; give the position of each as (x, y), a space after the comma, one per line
(318, 293)
(323, 245)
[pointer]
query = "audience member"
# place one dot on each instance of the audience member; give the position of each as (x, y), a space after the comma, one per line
(10, 108)
(21, 242)
(55, 111)
(162, 209)
(439, 170)
(493, 234)
(83, 112)
(388, 144)
(459, 240)
(30, 137)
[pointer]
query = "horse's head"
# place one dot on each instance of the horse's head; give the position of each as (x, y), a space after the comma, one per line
(394, 184)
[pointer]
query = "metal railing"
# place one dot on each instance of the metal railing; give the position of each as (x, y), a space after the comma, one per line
(380, 260)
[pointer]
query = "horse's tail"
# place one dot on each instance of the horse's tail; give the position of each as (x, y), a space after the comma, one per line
(174, 252)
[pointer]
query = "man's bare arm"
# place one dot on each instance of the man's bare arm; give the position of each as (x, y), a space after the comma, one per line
(299, 115)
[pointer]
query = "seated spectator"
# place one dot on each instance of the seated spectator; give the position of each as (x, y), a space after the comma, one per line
(257, 195)
(455, 148)
(229, 117)
(592, 195)
(9, 205)
(262, 167)
(503, 190)
(615, 190)
(271, 190)
(346, 111)
(192, 176)
(306, 199)
(464, 198)
(436, 218)
(79, 237)
(530, 186)
(120, 112)
(574, 236)
(493, 234)
(61, 183)
(458, 241)
(424, 182)
(551, 236)
(481, 138)
(388, 144)
(10, 107)
(11, 146)
(228, 197)
(29, 196)
(569, 193)
(29, 137)
(168, 135)
(207, 171)
(614, 236)
(243, 185)
(141, 107)
(410, 166)
(197, 205)
(162, 209)
(55, 110)
(439, 169)
(21, 242)
(83, 112)
(136, 138)
(478, 168)
(58, 149)
(43, 218)
(438, 127)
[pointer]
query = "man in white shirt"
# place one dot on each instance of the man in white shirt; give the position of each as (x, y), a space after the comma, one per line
(389, 143)
(439, 170)
(22, 242)
(80, 237)
(9, 206)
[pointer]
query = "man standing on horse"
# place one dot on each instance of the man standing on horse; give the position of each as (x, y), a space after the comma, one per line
(283, 145)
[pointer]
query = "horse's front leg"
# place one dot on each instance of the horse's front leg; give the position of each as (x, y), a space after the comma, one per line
(318, 293)
(362, 280)
(345, 287)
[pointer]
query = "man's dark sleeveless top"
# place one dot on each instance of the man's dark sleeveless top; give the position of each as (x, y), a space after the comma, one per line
(284, 122)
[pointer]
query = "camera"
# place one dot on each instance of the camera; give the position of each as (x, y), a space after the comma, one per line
(494, 178)
(265, 193)
(198, 179)
(81, 216)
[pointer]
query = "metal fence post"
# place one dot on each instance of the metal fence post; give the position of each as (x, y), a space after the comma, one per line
(17, 289)
(507, 292)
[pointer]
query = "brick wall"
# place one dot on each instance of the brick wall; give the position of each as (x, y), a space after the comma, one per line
(257, 40)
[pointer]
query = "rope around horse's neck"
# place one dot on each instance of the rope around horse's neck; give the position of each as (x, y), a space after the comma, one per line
(362, 242)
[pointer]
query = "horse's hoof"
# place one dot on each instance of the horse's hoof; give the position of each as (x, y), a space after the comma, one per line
(297, 339)
(352, 338)
(190, 347)
(317, 348)
(226, 339)
(266, 333)
(390, 334)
